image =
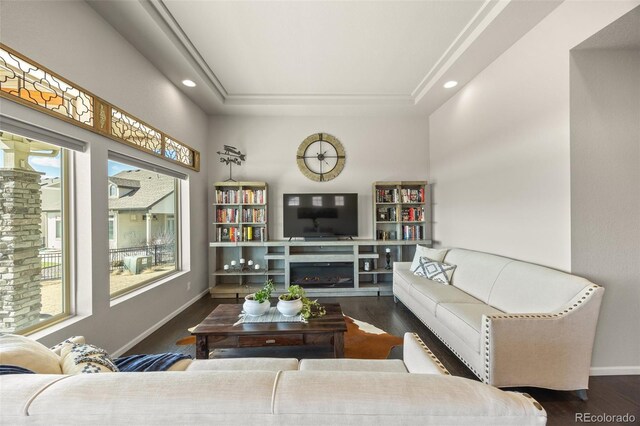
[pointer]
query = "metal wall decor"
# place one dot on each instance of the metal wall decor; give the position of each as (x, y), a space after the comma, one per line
(24, 81)
(231, 156)
(321, 157)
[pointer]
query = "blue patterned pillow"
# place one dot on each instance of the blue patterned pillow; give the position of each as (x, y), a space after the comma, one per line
(85, 358)
(14, 369)
(436, 271)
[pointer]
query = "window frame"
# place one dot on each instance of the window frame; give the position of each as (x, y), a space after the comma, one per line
(66, 220)
(117, 157)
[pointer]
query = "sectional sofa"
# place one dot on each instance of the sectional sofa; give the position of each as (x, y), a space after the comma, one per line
(267, 391)
(512, 323)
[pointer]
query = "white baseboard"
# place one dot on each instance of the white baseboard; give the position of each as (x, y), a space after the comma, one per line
(156, 326)
(615, 371)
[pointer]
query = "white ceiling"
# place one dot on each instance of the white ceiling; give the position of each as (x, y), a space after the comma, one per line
(322, 57)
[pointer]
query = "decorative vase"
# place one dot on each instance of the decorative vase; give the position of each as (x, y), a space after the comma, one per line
(255, 308)
(289, 308)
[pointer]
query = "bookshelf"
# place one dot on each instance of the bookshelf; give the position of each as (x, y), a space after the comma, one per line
(240, 212)
(400, 211)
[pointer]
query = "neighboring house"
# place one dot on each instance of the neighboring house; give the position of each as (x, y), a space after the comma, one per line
(51, 224)
(141, 208)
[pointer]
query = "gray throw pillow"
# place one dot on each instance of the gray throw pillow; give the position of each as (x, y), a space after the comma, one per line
(436, 271)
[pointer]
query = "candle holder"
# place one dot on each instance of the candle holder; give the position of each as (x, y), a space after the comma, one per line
(388, 257)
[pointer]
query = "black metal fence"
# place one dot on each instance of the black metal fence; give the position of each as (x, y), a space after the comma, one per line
(161, 254)
(51, 262)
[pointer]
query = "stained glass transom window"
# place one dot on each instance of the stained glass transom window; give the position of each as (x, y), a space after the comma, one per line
(31, 84)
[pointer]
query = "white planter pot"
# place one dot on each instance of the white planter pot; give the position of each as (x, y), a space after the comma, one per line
(255, 308)
(289, 308)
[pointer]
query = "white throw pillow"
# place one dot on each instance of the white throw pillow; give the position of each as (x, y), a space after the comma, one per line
(73, 339)
(436, 271)
(27, 353)
(84, 358)
(437, 255)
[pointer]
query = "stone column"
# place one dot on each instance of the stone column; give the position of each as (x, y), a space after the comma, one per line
(20, 239)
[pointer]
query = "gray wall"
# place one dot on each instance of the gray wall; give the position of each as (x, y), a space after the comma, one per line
(605, 194)
(502, 162)
(377, 149)
(90, 53)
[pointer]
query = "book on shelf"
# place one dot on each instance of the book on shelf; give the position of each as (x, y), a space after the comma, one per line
(253, 196)
(408, 195)
(387, 195)
(254, 215)
(227, 215)
(245, 196)
(412, 232)
(386, 214)
(385, 235)
(412, 214)
(227, 196)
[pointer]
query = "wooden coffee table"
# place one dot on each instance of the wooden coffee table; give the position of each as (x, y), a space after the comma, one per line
(217, 331)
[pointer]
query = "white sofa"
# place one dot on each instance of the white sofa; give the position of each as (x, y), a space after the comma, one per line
(267, 391)
(512, 323)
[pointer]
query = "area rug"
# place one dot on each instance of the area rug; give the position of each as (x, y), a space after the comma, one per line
(362, 340)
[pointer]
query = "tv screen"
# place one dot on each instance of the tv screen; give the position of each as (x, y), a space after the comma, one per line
(320, 215)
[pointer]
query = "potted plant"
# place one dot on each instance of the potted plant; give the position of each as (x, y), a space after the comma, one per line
(295, 302)
(257, 303)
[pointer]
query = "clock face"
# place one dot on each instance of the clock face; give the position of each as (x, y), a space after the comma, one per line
(320, 157)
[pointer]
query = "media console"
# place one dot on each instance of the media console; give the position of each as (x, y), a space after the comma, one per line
(323, 268)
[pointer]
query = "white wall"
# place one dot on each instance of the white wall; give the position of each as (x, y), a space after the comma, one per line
(89, 52)
(377, 149)
(501, 162)
(605, 195)
(499, 149)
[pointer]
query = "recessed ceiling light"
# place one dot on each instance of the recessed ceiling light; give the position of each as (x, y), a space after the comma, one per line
(189, 83)
(450, 84)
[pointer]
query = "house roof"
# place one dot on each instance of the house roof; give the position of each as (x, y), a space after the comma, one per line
(151, 188)
(124, 183)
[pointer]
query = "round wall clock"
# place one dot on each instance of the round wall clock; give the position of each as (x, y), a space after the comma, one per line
(321, 157)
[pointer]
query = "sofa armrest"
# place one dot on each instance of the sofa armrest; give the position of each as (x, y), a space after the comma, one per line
(401, 265)
(551, 350)
(418, 358)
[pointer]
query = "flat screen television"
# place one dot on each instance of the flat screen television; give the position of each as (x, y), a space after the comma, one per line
(315, 216)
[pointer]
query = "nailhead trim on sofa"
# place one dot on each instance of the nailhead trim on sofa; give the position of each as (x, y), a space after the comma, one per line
(432, 355)
(487, 360)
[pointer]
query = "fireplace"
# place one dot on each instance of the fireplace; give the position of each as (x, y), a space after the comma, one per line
(322, 274)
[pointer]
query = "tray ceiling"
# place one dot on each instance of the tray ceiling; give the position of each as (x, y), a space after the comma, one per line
(318, 57)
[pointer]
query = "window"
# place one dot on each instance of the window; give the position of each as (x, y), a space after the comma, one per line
(144, 221)
(113, 191)
(58, 228)
(111, 225)
(34, 218)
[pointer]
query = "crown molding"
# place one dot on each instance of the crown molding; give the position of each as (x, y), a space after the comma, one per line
(168, 24)
(161, 15)
(479, 22)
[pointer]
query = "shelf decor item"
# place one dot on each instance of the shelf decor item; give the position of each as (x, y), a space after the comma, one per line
(388, 258)
(294, 302)
(258, 304)
(231, 156)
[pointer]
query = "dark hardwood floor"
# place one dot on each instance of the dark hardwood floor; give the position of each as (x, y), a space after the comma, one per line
(610, 395)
